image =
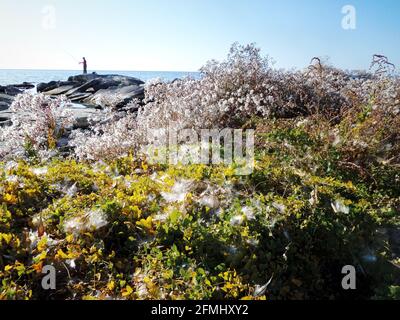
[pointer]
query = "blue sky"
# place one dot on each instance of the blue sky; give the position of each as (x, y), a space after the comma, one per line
(181, 35)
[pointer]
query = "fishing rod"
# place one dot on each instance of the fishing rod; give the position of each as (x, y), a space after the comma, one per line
(65, 51)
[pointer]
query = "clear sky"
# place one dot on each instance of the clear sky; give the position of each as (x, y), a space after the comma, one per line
(180, 35)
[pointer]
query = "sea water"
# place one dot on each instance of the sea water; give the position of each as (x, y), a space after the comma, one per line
(37, 76)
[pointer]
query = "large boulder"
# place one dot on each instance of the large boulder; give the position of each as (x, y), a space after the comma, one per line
(121, 95)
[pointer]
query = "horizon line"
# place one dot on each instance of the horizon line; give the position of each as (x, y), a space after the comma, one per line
(97, 70)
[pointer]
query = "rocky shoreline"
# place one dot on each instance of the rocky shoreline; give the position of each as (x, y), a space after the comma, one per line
(87, 93)
(93, 88)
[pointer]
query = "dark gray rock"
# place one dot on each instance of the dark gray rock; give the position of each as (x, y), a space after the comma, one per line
(82, 115)
(10, 90)
(121, 80)
(5, 118)
(6, 98)
(45, 87)
(41, 87)
(4, 106)
(78, 97)
(123, 95)
(83, 78)
(23, 86)
(7, 95)
(92, 84)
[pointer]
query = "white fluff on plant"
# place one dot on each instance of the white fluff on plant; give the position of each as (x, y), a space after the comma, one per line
(178, 192)
(38, 122)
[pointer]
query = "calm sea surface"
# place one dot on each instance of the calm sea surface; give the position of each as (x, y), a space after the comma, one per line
(37, 76)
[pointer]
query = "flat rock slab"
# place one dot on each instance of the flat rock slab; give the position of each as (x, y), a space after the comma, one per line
(79, 97)
(60, 90)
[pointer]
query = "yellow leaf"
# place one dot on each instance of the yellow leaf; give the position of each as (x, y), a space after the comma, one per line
(127, 292)
(8, 268)
(168, 274)
(6, 237)
(146, 280)
(145, 223)
(111, 285)
(61, 255)
(10, 198)
(69, 238)
(42, 244)
(41, 256)
(229, 286)
(136, 211)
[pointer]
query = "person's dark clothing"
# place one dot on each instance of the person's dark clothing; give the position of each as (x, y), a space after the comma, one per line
(84, 66)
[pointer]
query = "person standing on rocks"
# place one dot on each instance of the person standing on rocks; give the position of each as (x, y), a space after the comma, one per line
(84, 65)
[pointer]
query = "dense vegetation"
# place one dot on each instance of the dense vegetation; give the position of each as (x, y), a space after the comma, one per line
(325, 191)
